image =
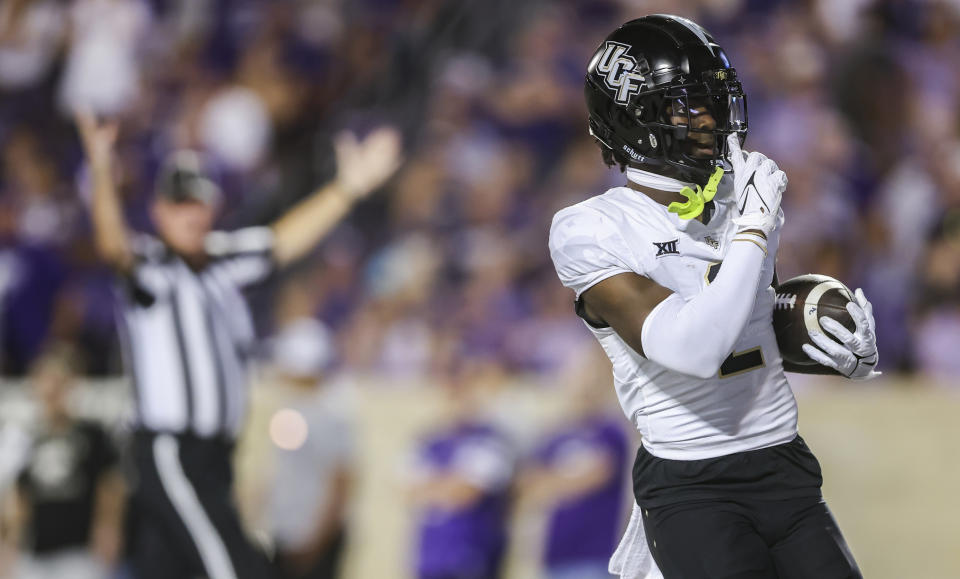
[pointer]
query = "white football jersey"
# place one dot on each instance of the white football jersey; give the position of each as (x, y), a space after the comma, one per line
(748, 404)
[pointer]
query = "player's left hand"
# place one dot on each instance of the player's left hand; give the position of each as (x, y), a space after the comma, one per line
(855, 356)
(758, 184)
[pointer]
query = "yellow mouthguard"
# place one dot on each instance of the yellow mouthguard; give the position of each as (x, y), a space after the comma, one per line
(696, 199)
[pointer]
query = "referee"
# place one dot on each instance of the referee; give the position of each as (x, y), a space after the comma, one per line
(188, 333)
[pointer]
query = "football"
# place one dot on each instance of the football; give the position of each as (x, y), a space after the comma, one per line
(800, 303)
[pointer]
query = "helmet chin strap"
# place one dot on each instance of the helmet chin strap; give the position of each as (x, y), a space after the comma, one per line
(696, 199)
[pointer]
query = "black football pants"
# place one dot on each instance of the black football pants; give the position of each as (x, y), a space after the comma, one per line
(787, 539)
(187, 524)
(748, 515)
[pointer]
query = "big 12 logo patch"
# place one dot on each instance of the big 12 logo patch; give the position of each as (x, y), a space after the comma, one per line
(621, 72)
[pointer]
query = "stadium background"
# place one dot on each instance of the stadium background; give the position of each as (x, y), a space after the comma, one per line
(447, 267)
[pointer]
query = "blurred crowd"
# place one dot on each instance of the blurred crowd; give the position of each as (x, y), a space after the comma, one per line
(856, 100)
(445, 274)
(469, 479)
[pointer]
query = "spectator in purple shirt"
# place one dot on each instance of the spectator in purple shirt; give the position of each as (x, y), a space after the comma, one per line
(579, 475)
(461, 481)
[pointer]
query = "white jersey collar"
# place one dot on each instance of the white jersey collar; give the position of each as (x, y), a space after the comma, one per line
(661, 183)
(654, 181)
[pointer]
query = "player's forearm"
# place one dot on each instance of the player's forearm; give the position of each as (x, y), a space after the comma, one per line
(110, 231)
(555, 485)
(447, 491)
(694, 337)
(15, 517)
(298, 231)
(110, 499)
(108, 516)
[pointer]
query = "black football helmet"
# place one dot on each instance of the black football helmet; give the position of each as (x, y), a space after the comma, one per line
(662, 97)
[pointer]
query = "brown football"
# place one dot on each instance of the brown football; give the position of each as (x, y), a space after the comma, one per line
(800, 304)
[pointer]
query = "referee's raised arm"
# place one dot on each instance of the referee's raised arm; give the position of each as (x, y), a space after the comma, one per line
(109, 229)
(362, 167)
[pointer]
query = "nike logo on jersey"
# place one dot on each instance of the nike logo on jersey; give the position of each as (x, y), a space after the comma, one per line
(667, 248)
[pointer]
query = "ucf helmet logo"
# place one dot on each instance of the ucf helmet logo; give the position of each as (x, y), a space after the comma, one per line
(621, 72)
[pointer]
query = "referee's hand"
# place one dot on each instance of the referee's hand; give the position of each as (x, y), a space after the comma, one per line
(363, 166)
(98, 138)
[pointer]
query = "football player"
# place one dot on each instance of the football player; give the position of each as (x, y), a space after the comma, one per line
(673, 274)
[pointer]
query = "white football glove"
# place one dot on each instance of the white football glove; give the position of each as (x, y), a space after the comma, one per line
(758, 185)
(856, 356)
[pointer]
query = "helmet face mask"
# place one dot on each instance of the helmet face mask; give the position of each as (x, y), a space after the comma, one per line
(695, 120)
(673, 118)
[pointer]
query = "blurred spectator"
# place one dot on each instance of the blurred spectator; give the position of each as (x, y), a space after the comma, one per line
(70, 495)
(579, 474)
(103, 68)
(31, 33)
(461, 478)
(234, 126)
(938, 317)
(543, 343)
(15, 445)
(311, 487)
(856, 101)
(30, 279)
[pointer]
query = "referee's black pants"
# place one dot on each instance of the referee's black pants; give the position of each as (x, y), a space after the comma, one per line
(749, 515)
(188, 525)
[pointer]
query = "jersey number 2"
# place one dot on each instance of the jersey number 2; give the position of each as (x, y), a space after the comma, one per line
(739, 362)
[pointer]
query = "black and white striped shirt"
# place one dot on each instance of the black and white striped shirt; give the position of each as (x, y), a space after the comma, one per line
(188, 334)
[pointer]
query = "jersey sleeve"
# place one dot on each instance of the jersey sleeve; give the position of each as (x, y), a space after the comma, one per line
(245, 256)
(587, 249)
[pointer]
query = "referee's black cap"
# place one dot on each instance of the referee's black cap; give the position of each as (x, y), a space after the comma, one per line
(183, 179)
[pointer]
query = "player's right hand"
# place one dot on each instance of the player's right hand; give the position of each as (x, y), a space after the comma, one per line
(853, 354)
(758, 185)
